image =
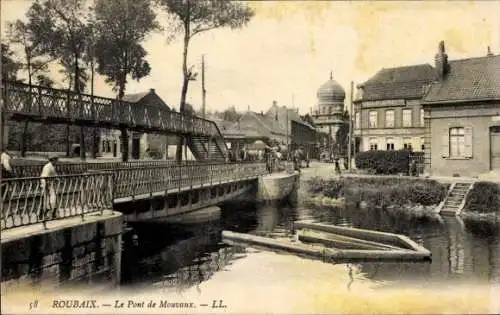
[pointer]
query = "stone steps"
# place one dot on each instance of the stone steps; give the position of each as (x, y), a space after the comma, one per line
(455, 198)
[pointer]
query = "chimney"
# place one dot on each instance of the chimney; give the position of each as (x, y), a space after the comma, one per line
(152, 91)
(489, 54)
(275, 105)
(248, 108)
(441, 62)
(359, 92)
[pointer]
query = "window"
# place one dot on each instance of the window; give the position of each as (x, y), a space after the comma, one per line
(373, 119)
(389, 119)
(406, 117)
(357, 120)
(422, 147)
(407, 145)
(457, 142)
(373, 144)
(389, 144)
(422, 117)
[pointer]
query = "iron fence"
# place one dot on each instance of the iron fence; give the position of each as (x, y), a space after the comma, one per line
(32, 200)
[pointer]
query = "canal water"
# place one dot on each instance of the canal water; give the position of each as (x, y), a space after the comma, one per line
(192, 258)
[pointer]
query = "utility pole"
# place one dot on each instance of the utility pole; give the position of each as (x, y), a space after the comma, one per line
(286, 131)
(3, 145)
(203, 91)
(349, 148)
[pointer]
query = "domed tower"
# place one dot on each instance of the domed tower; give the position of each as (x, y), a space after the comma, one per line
(328, 116)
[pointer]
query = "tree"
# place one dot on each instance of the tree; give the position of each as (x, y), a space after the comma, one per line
(24, 35)
(62, 35)
(121, 27)
(10, 66)
(44, 80)
(193, 17)
(230, 114)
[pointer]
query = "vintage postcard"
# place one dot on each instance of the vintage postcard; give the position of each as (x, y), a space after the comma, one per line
(250, 157)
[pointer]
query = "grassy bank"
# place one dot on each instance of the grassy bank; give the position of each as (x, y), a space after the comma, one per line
(380, 192)
(483, 198)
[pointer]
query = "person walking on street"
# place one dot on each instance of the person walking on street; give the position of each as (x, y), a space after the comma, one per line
(267, 158)
(49, 192)
(337, 165)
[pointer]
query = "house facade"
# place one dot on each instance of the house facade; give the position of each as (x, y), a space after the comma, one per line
(462, 116)
(388, 112)
(299, 132)
(111, 146)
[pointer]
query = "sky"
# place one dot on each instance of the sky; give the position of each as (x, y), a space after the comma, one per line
(290, 47)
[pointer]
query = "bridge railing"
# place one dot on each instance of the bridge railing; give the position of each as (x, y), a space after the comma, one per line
(144, 180)
(67, 106)
(35, 169)
(33, 200)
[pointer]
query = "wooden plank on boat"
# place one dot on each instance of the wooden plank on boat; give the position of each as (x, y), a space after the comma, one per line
(341, 241)
(234, 238)
(374, 236)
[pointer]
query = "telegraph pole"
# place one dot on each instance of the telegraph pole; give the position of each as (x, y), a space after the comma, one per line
(203, 91)
(349, 148)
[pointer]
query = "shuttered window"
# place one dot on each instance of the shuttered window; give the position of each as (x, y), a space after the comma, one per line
(373, 119)
(406, 117)
(389, 119)
(459, 142)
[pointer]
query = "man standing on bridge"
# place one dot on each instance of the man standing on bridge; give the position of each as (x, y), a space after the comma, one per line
(49, 191)
(6, 171)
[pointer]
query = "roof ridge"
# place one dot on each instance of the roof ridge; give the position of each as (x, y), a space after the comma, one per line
(471, 58)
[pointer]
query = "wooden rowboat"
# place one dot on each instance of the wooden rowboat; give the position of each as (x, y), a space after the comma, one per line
(337, 244)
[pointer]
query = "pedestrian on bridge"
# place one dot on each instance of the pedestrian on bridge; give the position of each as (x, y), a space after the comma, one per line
(48, 189)
(6, 159)
(7, 172)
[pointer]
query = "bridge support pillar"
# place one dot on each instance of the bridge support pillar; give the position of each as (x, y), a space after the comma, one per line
(124, 144)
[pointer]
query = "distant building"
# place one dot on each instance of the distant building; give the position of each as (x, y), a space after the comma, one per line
(388, 114)
(300, 133)
(328, 115)
(110, 145)
(462, 116)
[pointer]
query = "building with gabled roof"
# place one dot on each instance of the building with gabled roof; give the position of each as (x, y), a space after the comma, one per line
(462, 116)
(110, 145)
(388, 114)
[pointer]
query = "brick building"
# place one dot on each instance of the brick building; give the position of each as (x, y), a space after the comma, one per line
(388, 114)
(462, 116)
(110, 145)
(300, 133)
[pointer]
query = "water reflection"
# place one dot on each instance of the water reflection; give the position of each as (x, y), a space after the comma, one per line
(181, 256)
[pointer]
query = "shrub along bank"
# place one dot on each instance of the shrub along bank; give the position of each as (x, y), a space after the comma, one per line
(381, 192)
(385, 162)
(484, 197)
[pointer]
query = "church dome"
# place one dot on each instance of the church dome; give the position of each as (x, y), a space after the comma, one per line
(331, 91)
